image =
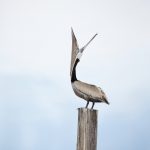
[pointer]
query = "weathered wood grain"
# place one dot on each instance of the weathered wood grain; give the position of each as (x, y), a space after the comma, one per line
(87, 129)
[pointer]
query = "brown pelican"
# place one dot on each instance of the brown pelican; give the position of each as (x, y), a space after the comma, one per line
(88, 92)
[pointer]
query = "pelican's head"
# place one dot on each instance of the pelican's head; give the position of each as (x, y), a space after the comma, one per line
(76, 52)
(79, 55)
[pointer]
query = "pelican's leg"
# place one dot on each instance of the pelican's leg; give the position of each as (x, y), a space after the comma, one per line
(92, 105)
(87, 104)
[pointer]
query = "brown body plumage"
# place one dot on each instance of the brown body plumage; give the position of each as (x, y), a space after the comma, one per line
(88, 92)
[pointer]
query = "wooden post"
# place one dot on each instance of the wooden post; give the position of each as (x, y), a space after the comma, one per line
(87, 129)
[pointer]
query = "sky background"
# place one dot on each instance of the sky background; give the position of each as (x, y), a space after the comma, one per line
(38, 109)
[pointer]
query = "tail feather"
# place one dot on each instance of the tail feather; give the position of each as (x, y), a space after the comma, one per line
(105, 100)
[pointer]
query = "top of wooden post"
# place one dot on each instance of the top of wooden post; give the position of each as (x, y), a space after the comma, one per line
(87, 109)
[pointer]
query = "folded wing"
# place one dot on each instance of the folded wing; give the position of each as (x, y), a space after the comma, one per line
(90, 92)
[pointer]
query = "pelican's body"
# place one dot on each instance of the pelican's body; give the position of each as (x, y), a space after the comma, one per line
(88, 92)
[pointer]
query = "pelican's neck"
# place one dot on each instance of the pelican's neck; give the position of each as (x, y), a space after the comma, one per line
(73, 77)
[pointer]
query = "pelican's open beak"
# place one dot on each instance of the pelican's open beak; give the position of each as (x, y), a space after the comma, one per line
(83, 48)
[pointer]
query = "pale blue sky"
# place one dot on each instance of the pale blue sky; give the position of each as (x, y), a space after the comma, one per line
(38, 109)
